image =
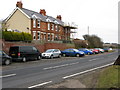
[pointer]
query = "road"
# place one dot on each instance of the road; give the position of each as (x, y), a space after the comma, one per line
(37, 74)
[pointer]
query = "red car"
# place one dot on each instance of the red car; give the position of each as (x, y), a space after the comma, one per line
(95, 51)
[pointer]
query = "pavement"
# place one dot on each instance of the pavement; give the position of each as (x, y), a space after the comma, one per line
(36, 74)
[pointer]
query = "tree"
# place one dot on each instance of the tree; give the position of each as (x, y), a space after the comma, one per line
(93, 41)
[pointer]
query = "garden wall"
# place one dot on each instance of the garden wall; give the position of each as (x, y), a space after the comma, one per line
(40, 47)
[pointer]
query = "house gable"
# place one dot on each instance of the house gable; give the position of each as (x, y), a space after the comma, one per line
(18, 20)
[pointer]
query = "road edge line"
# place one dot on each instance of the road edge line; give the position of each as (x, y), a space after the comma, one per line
(87, 70)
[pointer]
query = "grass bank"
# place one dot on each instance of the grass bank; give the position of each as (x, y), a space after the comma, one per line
(109, 77)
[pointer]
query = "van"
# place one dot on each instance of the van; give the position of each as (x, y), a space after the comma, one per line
(24, 53)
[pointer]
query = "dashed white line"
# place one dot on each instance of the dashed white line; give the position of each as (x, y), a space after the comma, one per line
(60, 66)
(86, 71)
(38, 85)
(10, 75)
(92, 59)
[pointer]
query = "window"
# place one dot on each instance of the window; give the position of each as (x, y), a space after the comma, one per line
(38, 35)
(34, 23)
(56, 27)
(52, 26)
(48, 26)
(48, 37)
(34, 35)
(52, 37)
(38, 24)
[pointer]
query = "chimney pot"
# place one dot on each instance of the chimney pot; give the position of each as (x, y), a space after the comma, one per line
(19, 4)
(43, 12)
(59, 17)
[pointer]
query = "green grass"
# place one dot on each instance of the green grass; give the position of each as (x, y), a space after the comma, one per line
(109, 78)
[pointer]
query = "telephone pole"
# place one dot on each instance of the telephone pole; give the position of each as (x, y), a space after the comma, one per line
(88, 30)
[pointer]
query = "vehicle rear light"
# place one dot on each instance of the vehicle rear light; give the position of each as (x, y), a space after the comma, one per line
(18, 54)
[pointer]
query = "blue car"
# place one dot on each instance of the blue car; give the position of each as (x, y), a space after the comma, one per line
(72, 52)
(86, 51)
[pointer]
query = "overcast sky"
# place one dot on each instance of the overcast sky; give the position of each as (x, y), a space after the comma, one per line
(100, 15)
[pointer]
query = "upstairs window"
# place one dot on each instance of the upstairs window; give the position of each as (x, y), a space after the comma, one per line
(52, 26)
(48, 26)
(34, 23)
(56, 27)
(38, 24)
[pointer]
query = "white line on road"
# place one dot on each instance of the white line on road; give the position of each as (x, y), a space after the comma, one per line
(40, 84)
(92, 59)
(87, 71)
(10, 75)
(60, 66)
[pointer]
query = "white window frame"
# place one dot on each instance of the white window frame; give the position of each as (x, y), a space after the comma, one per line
(38, 24)
(38, 35)
(34, 35)
(52, 26)
(48, 26)
(56, 27)
(34, 23)
(52, 36)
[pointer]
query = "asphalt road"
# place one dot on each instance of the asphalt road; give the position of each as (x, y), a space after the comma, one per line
(36, 74)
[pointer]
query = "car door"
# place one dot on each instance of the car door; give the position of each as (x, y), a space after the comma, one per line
(71, 52)
(35, 52)
(55, 53)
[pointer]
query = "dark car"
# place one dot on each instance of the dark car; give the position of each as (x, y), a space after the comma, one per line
(24, 53)
(72, 52)
(5, 59)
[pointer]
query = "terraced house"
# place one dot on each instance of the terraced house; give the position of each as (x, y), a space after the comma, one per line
(40, 25)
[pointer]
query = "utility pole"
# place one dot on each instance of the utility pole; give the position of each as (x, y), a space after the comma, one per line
(88, 30)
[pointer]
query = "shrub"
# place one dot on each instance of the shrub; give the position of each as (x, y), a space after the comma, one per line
(15, 36)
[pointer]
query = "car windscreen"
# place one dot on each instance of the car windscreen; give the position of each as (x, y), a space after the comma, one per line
(49, 50)
(76, 50)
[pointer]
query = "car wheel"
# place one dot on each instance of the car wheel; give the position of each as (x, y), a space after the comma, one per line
(39, 57)
(88, 53)
(64, 55)
(51, 57)
(77, 55)
(24, 59)
(7, 62)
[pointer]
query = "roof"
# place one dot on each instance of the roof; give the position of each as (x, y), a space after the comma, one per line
(32, 14)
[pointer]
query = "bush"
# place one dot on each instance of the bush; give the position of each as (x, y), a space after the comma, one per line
(15, 36)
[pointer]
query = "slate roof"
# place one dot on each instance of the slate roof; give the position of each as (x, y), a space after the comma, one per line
(46, 18)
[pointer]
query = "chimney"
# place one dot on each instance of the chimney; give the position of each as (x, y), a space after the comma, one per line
(19, 4)
(59, 17)
(43, 12)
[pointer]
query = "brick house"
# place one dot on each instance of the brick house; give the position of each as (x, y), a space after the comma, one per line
(40, 25)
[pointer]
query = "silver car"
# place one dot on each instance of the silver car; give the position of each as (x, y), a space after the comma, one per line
(51, 53)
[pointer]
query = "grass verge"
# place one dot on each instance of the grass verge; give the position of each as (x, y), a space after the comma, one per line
(109, 77)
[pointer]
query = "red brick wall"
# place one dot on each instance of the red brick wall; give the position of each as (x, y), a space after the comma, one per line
(40, 47)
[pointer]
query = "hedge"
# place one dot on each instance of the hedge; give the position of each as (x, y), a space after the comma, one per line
(15, 36)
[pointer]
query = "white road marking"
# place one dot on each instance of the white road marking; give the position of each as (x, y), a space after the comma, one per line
(10, 75)
(60, 66)
(92, 59)
(40, 84)
(87, 71)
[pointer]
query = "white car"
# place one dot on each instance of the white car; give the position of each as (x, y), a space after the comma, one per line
(51, 53)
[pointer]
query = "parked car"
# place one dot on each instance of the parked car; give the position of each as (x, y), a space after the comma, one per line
(100, 50)
(5, 59)
(72, 52)
(86, 51)
(24, 53)
(108, 49)
(51, 53)
(95, 51)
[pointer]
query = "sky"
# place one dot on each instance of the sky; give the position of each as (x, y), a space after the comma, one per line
(100, 15)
